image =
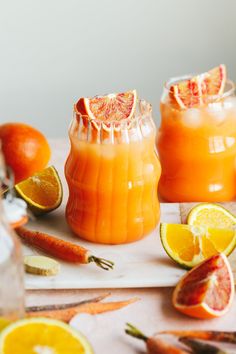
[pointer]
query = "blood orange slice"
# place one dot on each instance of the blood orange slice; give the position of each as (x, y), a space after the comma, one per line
(195, 91)
(112, 107)
(207, 290)
(215, 80)
(188, 93)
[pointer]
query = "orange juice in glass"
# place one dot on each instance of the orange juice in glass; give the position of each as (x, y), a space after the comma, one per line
(197, 138)
(112, 172)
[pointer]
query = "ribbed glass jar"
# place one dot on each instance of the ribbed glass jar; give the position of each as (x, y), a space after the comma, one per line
(112, 172)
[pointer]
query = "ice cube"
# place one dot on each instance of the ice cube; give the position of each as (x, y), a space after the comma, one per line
(230, 103)
(192, 118)
(217, 112)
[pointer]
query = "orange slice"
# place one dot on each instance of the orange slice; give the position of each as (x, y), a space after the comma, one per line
(112, 107)
(42, 192)
(194, 92)
(207, 290)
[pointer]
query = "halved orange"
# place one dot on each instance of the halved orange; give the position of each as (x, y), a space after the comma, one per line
(42, 192)
(207, 290)
(211, 215)
(196, 91)
(42, 335)
(111, 107)
(188, 245)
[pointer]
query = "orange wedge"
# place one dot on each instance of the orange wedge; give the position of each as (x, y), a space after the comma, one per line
(207, 290)
(42, 192)
(188, 245)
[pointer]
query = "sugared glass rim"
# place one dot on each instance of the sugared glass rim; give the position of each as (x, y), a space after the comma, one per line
(178, 79)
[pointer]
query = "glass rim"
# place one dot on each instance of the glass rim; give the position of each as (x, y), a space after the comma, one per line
(136, 117)
(178, 79)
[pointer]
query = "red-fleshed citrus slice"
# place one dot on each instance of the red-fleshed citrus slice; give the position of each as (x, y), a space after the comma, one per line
(195, 91)
(188, 93)
(207, 290)
(215, 80)
(112, 107)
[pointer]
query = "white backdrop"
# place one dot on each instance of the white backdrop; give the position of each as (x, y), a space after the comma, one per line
(54, 51)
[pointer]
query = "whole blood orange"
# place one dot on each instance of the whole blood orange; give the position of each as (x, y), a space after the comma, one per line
(207, 290)
(26, 150)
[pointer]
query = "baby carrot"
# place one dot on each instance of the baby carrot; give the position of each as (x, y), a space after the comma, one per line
(154, 345)
(217, 336)
(64, 250)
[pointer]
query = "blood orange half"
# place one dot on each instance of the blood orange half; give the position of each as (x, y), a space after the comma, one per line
(207, 290)
(112, 107)
(195, 91)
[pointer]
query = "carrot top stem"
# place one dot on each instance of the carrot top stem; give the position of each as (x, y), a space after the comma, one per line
(101, 262)
(135, 332)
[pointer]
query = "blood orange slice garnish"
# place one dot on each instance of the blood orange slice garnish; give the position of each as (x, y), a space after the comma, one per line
(207, 290)
(215, 80)
(195, 91)
(188, 93)
(112, 107)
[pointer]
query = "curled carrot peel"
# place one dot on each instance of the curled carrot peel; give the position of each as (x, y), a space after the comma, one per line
(64, 250)
(154, 345)
(217, 336)
(66, 312)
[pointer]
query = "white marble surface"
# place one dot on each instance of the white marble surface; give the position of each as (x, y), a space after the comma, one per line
(140, 264)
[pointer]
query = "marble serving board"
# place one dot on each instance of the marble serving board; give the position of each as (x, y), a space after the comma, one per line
(140, 264)
(137, 265)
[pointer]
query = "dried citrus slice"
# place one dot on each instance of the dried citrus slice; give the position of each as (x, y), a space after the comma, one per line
(188, 93)
(196, 91)
(189, 245)
(112, 107)
(211, 215)
(207, 290)
(42, 192)
(215, 80)
(42, 335)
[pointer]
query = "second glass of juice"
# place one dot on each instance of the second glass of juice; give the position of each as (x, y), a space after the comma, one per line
(112, 172)
(197, 147)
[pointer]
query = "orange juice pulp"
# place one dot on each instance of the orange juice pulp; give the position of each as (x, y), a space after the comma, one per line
(197, 150)
(112, 189)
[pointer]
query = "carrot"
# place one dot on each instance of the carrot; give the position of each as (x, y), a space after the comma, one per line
(217, 336)
(64, 250)
(65, 314)
(154, 345)
(200, 348)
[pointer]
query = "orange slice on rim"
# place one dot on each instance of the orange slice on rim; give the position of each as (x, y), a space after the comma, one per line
(112, 107)
(193, 92)
(207, 290)
(215, 80)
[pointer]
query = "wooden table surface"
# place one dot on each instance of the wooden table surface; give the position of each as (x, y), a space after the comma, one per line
(153, 312)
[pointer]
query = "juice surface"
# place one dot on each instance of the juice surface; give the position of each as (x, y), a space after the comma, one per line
(197, 150)
(112, 189)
